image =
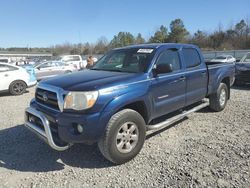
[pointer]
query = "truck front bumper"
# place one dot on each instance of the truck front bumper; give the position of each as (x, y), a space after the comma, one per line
(39, 124)
(60, 131)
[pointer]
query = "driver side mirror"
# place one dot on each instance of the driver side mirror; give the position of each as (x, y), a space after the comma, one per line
(163, 68)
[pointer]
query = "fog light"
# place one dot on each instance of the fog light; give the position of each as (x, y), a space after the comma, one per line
(79, 128)
(31, 119)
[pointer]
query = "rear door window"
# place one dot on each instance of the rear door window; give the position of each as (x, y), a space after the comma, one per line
(6, 68)
(191, 57)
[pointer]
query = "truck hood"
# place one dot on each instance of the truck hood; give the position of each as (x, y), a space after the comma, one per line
(87, 80)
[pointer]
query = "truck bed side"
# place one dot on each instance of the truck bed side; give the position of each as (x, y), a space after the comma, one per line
(219, 72)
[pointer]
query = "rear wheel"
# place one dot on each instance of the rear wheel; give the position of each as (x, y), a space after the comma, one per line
(124, 136)
(219, 99)
(17, 87)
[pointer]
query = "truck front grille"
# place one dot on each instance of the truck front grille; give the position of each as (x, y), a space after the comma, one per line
(47, 98)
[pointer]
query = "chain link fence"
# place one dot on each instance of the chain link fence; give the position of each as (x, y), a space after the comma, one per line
(238, 54)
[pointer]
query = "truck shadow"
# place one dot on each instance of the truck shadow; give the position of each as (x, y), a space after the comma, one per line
(7, 94)
(21, 150)
(206, 110)
(243, 87)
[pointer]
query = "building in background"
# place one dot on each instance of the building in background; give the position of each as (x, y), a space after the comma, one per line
(12, 56)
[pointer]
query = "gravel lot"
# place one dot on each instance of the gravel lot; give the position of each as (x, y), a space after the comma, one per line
(205, 149)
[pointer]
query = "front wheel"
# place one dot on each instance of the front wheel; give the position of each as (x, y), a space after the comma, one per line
(219, 99)
(124, 136)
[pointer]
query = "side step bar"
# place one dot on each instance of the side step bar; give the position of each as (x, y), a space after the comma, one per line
(176, 118)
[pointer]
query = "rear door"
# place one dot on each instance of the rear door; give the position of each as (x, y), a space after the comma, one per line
(168, 90)
(196, 76)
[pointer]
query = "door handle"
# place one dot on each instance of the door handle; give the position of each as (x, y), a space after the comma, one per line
(204, 73)
(182, 78)
(6, 75)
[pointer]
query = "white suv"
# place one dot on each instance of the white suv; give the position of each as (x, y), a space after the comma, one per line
(75, 60)
(15, 79)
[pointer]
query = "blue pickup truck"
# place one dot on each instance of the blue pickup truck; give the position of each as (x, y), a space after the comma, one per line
(128, 92)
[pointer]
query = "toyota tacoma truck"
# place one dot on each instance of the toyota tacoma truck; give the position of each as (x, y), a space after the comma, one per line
(128, 92)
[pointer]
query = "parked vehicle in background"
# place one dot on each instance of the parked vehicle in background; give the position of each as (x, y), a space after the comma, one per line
(31, 70)
(126, 93)
(15, 79)
(75, 60)
(52, 68)
(4, 60)
(224, 59)
(243, 70)
(85, 62)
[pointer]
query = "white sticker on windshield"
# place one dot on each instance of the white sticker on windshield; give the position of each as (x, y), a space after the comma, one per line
(148, 51)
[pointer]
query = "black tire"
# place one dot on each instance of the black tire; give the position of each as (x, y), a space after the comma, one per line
(216, 100)
(17, 87)
(108, 144)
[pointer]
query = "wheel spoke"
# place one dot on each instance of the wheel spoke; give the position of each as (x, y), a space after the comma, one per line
(128, 146)
(119, 136)
(132, 128)
(125, 127)
(120, 145)
(134, 137)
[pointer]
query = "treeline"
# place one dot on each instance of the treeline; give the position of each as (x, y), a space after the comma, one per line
(235, 37)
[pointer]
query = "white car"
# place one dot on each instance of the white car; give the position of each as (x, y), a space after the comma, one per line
(75, 60)
(224, 59)
(15, 79)
(52, 68)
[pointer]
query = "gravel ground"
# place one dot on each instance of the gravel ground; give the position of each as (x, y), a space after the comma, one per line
(205, 149)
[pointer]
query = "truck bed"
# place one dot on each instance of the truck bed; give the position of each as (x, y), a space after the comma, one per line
(215, 72)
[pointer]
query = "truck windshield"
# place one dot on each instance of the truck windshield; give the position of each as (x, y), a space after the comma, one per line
(132, 60)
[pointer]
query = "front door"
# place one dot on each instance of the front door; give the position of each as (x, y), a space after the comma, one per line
(168, 90)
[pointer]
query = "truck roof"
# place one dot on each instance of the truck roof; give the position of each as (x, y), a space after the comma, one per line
(158, 45)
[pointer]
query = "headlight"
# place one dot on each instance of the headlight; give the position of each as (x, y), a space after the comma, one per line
(80, 100)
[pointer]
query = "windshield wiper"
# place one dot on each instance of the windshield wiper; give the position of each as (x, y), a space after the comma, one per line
(96, 69)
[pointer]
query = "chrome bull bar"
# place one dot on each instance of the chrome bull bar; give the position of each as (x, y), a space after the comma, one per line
(45, 134)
